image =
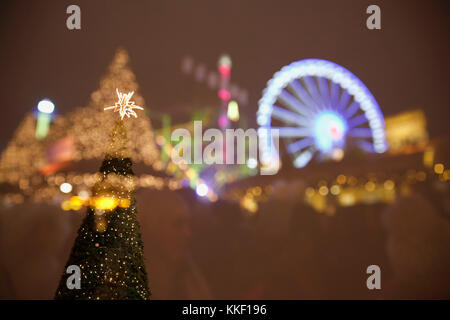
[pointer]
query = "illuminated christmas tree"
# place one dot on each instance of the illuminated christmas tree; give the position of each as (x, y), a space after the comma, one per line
(108, 249)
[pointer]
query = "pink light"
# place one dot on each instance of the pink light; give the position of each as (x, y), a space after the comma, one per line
(224, 70)
(224, 94)
(223, 121)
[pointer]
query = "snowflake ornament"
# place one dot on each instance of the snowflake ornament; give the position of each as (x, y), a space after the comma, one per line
(124, 106)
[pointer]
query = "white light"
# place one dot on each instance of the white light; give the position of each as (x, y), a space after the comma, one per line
(202, 189)
(65, 187)
(252, 163)
(46, 106)
(124, 106)
(84, 195)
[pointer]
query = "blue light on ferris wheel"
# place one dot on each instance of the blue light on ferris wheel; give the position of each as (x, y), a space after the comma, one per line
(329, 130)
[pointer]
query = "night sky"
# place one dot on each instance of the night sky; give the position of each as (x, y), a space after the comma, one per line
(405, 64)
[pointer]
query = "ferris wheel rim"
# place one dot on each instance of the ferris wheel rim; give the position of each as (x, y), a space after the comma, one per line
(337, 75)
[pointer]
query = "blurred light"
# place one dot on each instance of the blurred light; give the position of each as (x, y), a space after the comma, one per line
(224, 60)
(233, 111)
(223, 121)
(124, 203)
(347, 198)
(76, 202)
(224, 94)
(446, 175)
(249, 204)
(43, 125)
(352, 181)
(341, 179)
(224, 71)
(252, 163)
(438, 168)
(370, 186)
(421, 176)
(335, 190)
(66, 206)
(257, 191)
(303, 159)
(329, 128)
(428, 157)
(337, 154)
(84, 195)
(104, 203)
(323, 190)
(389, 184)
(309, 192)
(46, 106)
(65, 187)
(202, 189)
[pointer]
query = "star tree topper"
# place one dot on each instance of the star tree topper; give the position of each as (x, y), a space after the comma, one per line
(124, 106)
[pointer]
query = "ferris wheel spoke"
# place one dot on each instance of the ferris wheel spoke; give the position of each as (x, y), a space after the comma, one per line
(312, 88)
(289, 116)
(365, 145)
(293, 103)
(335, 89)
(293, 132)
(356, 121)
(324, 91)
(301, 92)
(360, 132)
(351, 110)
(303, 158)
(343, 101)
(300, 144)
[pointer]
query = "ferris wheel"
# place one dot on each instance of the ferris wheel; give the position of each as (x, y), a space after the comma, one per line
(319, 109)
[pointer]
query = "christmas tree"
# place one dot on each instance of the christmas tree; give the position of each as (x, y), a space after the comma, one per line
(108, 249)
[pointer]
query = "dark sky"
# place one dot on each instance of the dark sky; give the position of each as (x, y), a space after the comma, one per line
(405, 64)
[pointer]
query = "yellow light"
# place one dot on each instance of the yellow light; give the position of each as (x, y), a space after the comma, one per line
(389, 184)
(335, 190)
(438, 168)
(352, 181)
(124, 203)
(309, 192)
(341, 179)
(446, 175)
(76, 201)
(337, 154)
(421, 176)
(370, 186)
(257, 191)
(323, 190)
(347, 198)
(428, 157)
(104, 203)
(249, 204)
(318, 202)
(66, 205)
(233, 111)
